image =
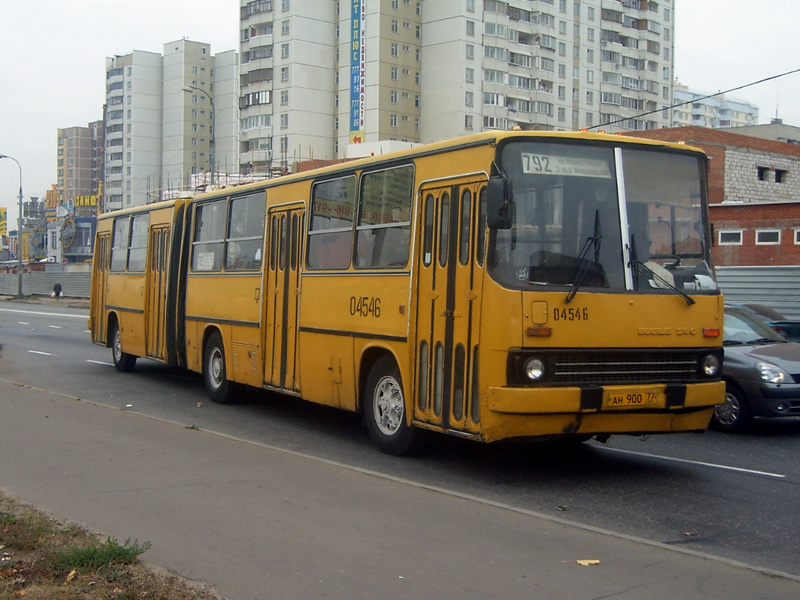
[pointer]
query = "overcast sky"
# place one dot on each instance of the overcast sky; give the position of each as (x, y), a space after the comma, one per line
(52, 62)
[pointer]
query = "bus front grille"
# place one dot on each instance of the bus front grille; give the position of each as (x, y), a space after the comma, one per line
(614, 367)
(610, 366)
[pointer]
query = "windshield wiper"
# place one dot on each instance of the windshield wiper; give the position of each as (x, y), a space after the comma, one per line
(667, 284)
(592, 241)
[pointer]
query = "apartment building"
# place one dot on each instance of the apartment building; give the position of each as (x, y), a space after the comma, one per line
(317, 78)
(169, 118)
(699, 110)
(79, 169)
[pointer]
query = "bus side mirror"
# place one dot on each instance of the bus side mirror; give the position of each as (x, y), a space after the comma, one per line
(498, 203)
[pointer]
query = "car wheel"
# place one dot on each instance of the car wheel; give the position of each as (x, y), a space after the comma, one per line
(733, 414)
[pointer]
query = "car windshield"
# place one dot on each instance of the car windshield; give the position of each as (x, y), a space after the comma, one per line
(741, 328)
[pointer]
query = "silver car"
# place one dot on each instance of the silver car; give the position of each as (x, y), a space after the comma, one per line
(761, 371)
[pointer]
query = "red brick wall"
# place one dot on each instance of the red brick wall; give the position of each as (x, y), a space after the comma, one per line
(747, 217)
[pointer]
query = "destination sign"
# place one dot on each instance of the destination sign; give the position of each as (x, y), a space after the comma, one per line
(552, 164)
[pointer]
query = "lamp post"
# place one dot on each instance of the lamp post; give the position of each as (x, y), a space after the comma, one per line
(19, 228)
(190, 88)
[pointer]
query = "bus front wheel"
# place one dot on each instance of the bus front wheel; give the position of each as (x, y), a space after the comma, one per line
(385, 410)
(123, 361)
(219, 388)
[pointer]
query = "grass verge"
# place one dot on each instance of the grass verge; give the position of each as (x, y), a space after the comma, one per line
(41, 558)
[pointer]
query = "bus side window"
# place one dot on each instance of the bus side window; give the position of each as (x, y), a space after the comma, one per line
(245, 233)
(119, 245)
(137, 256)
(330, 235)
(209, 236)
(384, 218)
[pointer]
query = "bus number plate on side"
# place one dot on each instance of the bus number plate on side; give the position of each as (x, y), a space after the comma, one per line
(638, 397)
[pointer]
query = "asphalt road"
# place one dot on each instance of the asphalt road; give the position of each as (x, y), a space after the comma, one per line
(733, 497)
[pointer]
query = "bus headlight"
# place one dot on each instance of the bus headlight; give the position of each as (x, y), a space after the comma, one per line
(710, 365)
(534, 369)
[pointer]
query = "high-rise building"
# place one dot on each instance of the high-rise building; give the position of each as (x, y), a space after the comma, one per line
(319, 77)
(716, 111)
(168, 119)
(79, 166)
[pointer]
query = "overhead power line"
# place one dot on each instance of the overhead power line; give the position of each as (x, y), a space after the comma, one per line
(693, 100)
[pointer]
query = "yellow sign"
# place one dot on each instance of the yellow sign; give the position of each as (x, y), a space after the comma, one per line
(3, 222)
(85, 201)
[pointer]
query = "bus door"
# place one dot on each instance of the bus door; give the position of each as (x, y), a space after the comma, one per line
(102, 253)
(449, 291)
(156, 286)
(282, 289)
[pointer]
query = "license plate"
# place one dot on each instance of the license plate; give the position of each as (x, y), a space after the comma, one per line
(633, 398)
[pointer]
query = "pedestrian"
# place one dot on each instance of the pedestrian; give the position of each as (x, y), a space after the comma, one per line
(57, 291)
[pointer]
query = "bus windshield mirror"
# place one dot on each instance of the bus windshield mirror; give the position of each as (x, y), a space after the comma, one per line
(498, 203)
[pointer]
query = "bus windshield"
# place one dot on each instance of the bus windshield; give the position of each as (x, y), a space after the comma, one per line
(604, 219)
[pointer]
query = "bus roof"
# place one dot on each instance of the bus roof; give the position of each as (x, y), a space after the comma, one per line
(477, 139)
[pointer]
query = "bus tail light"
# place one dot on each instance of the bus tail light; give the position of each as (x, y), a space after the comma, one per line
(711, 332)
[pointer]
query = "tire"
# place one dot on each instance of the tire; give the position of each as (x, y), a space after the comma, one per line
(733, 414)
(123, 361)
(385, 410)
(219, 388)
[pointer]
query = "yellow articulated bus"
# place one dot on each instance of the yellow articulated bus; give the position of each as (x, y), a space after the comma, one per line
(501, 285)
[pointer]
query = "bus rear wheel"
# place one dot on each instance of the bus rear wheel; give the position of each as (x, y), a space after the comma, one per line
(123, 361)
(385, 410)
(219, 388)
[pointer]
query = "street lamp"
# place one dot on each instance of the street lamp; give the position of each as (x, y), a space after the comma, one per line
(19, 228)
(190, 88)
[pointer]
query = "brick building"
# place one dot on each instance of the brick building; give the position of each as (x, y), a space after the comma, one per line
(754, 195)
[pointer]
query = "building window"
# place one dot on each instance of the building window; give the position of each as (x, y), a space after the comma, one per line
(284, 50)
(395, 51)
(762, 173)
(797, 236)
(730, 238)
(469, 98)
(393, 96)
(284, 73)
(470, 75)
(780, 175)
(393, 72)
(393, 120)
(468, 122)
(395, 26)
(285, 27)
(284, 120)
(768, 237)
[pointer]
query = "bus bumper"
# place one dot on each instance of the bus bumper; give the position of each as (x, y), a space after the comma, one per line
(531, 412)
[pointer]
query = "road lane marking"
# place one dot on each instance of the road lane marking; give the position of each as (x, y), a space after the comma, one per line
(692, 462)
(43, 314)
(54, 326)
(100, 362)
(42, 353)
